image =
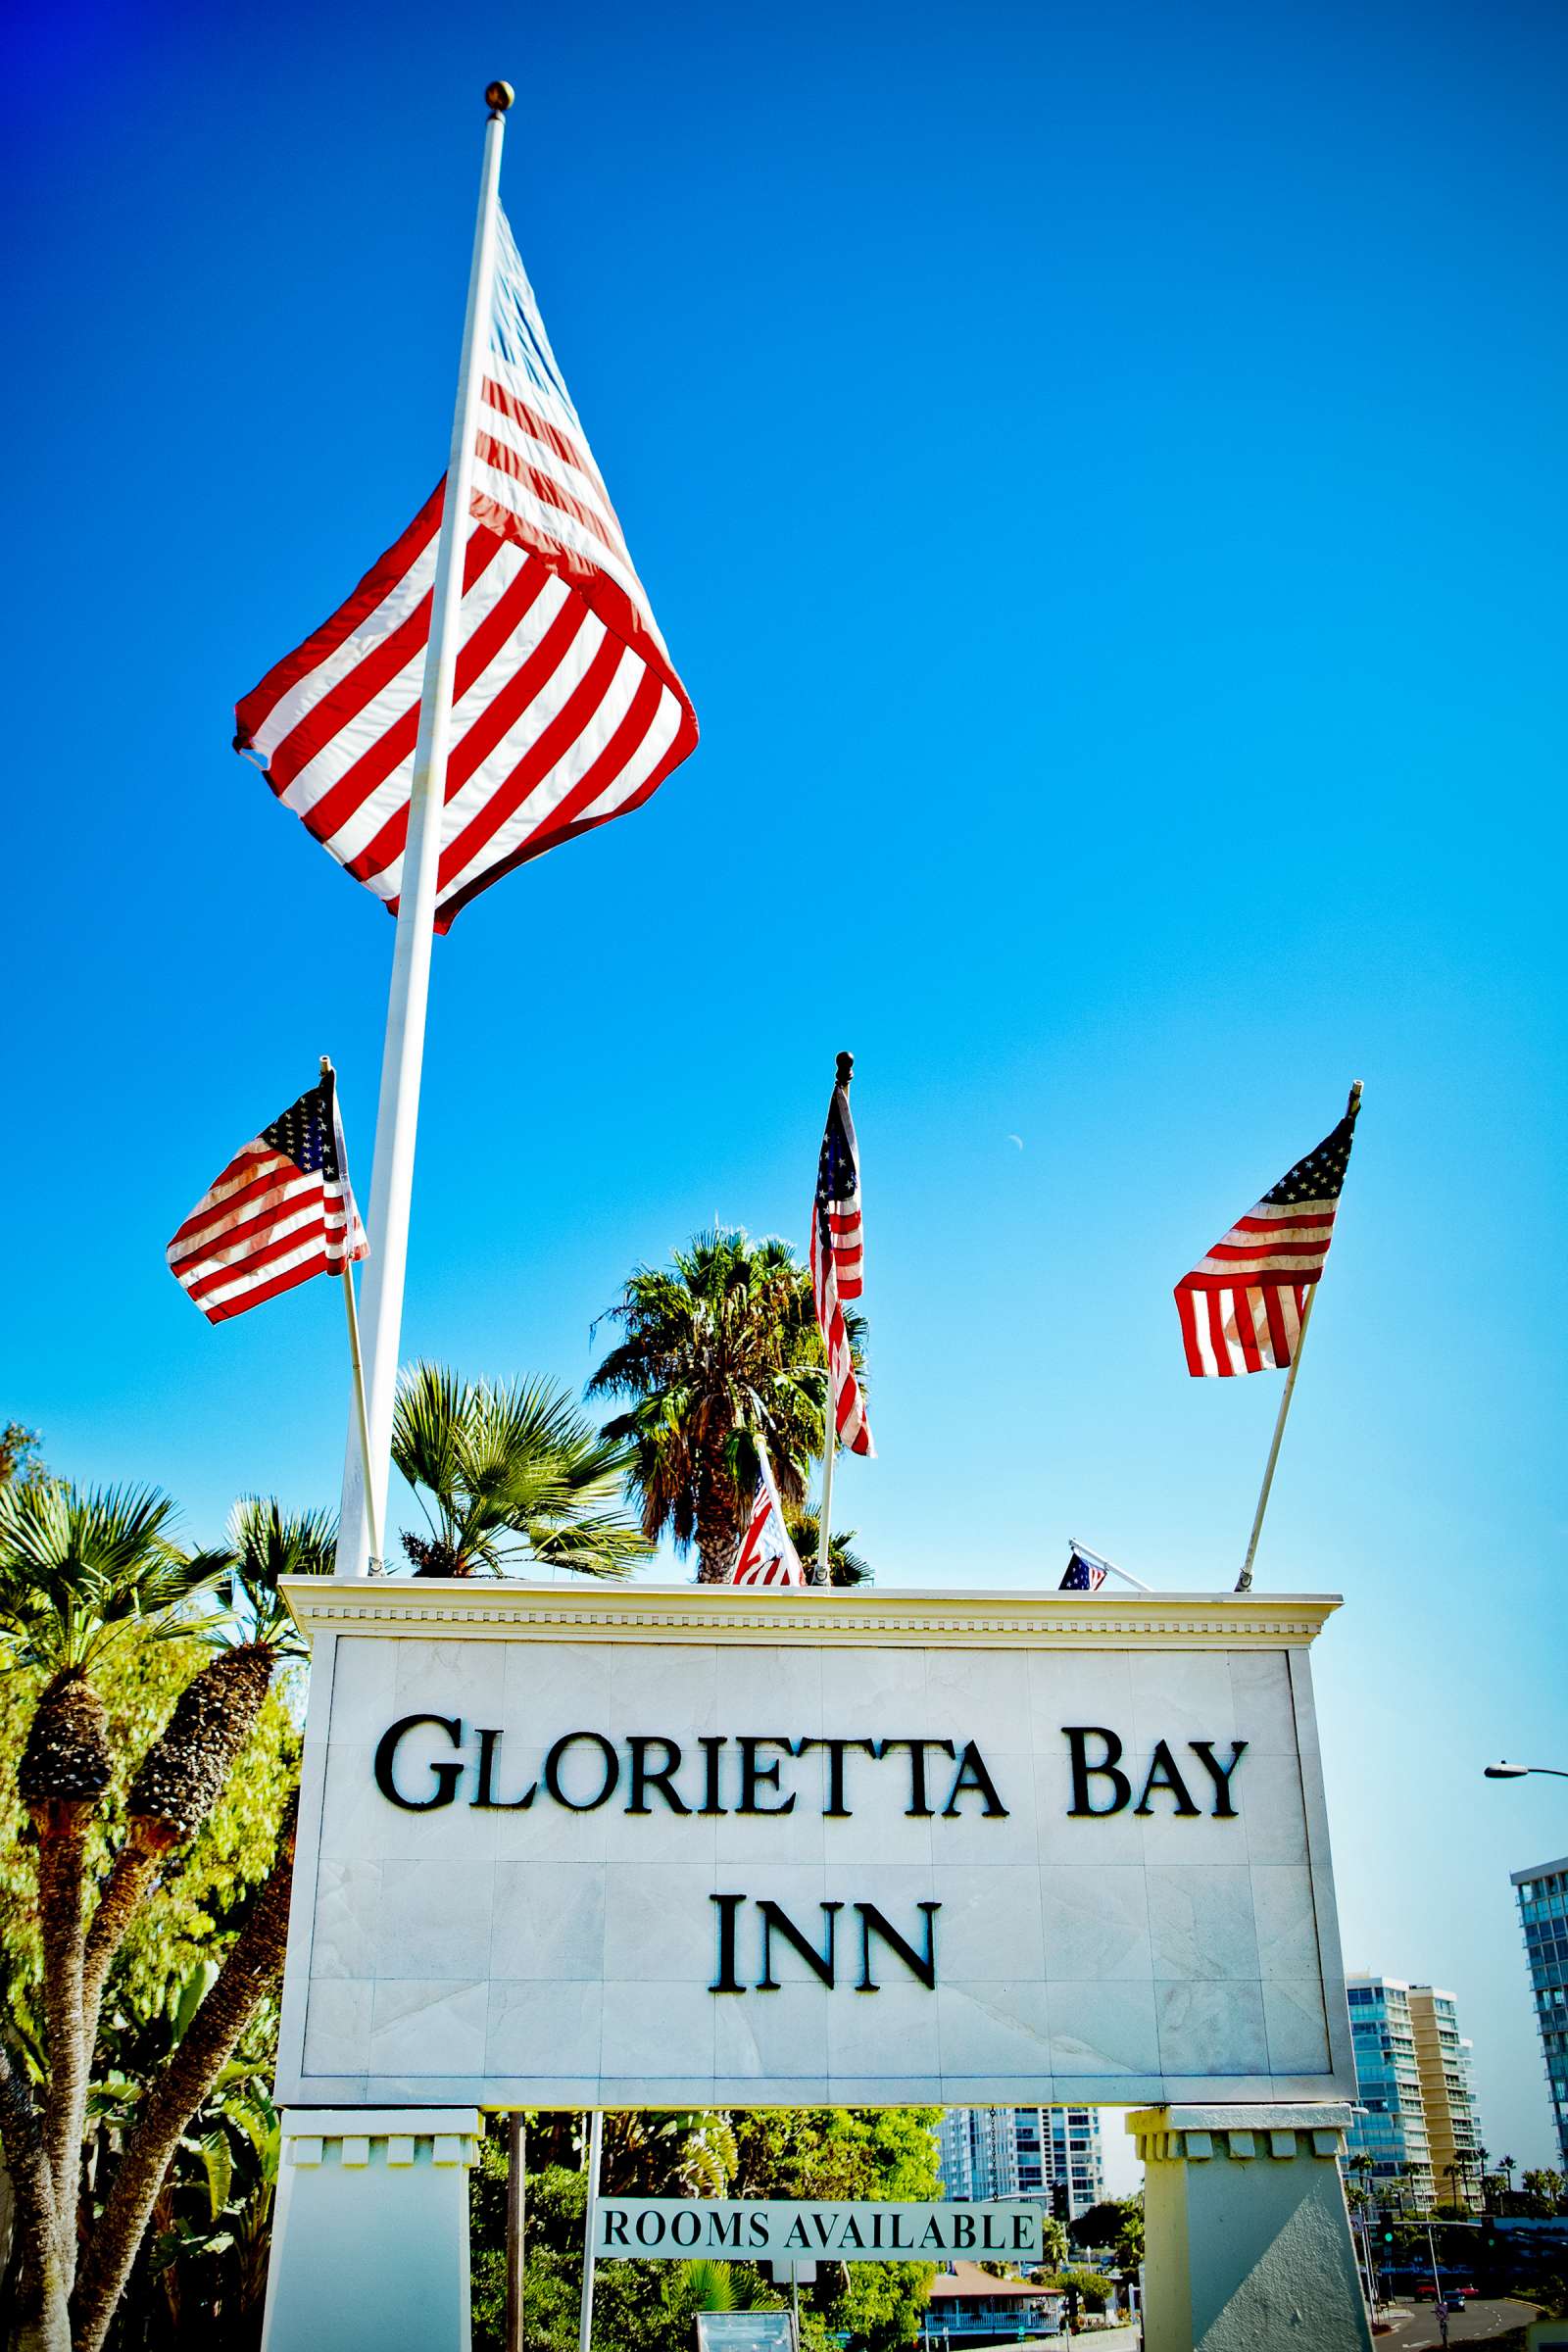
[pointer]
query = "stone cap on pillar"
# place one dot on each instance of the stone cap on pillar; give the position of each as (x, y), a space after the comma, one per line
(1198, 2135)
(453, 2133)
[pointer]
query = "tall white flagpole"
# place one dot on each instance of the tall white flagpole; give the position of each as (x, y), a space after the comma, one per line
(403, 1057)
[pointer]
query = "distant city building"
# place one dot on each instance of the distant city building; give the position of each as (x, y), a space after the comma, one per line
(1449, 2096)
(1022, 2153)
(1413, 2078)
(1543, 1895)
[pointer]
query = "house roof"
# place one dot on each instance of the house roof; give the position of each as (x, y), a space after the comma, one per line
(967, 2282)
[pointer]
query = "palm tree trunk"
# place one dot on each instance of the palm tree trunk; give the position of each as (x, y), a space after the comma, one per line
(253, 1967)
(131, 1874)
(720, 1525)
(62, 1879)
(178, 1781)
(45, 2323)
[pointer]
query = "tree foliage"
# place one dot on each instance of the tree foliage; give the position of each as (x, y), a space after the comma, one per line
(718, 1352)
(817, 2153)
(510, 1475)
(98, 1632)
(204, 1886)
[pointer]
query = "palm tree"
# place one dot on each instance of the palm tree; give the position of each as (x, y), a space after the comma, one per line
(844, 1566)
(513, 1473)
(717, 1352)
(185, 1771)
(80, 1573)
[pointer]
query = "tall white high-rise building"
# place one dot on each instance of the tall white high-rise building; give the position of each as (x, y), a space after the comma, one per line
(1022, 2153)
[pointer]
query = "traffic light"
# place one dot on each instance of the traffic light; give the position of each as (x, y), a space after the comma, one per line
(1059, 2208)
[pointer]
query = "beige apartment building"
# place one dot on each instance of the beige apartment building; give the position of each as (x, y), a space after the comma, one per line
(1447, 2094)
(1419, 2129)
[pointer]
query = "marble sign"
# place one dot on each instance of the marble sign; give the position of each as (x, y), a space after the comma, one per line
(693, 1847)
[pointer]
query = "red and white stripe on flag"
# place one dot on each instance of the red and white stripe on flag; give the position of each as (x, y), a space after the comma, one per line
(282, 1211)
(1241, 1306)
(767, 1555)
(838, 1264)
(566, 708)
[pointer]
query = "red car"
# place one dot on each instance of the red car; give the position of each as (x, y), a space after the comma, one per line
(1455, 2291)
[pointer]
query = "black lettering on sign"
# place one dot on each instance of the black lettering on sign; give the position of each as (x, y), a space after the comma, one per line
(484, 1799)
(614, 2227)
(917, 1809)
(556, 1757)
(1220, 1775)
(820, 1962)
(446, 1774)
(644, 1778)
(711, 1742)
(1163, 1774)
(972, 1774)
(873, 1923)
(836, 1809)
(1077, 1737)
(755, 1775)
(724, 1977)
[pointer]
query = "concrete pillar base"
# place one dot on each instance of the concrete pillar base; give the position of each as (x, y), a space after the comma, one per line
(1247, 2240)
(370, 2231)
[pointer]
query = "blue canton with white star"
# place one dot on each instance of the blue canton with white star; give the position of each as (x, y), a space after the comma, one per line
(1320, 1176)
(304, 1133)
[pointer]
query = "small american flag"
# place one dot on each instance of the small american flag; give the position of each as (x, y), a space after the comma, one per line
(767, 1555)
(1083, 1575)
(280, 1211)
(565, 709)
(838, 1261)
(1241, 1306)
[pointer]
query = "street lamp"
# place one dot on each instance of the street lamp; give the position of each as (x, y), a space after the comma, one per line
(1517, 1772)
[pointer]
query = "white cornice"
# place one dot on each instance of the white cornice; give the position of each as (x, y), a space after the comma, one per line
(491, 1609)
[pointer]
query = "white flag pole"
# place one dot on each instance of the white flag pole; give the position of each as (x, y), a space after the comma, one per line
(1244, 1583)
(364, 1493)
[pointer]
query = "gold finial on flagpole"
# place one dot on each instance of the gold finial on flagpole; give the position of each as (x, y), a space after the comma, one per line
(846, 1069)
(498, 96)
(1353, 1106)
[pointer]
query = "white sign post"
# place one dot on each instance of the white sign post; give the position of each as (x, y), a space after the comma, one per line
(704, 1846)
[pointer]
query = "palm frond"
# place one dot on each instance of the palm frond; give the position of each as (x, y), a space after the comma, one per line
(515, 1474)
(81, 1571)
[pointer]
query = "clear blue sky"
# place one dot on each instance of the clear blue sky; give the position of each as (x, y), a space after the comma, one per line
(1100, 475)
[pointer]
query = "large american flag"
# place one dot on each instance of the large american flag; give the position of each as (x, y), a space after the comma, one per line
(280, 1211)
(837, 1262)
(1241, 1306)
(767, 1555)
(566, 708)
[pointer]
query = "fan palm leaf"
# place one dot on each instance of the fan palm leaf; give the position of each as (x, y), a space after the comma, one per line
(510, 1475)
